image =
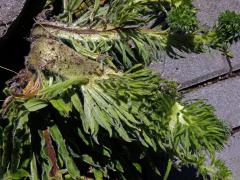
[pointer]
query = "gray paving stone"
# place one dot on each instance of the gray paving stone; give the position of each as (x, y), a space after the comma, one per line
(193, 69)
(224, 96)
(230, 154)
(9, 10)
(235, 49)
(209, 10)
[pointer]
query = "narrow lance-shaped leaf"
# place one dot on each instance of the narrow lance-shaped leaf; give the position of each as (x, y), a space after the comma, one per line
(62, 149)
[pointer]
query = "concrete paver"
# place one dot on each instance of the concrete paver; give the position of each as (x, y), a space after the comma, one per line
(9, 10)
(224, 96)
(209, 10)
(235, 61)
(194, 68)
(230, 154)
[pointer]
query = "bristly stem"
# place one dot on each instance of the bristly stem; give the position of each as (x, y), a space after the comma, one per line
(169, 167)
(8, 70)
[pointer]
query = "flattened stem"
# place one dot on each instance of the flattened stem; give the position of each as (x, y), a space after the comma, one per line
(54, 56)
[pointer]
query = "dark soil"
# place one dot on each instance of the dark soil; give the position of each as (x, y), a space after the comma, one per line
(14, 45)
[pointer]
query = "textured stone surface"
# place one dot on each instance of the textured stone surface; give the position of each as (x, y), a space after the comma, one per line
(230, 154)
(224, 96)
(235, 49)
(210, 9)
(208, 12)
(194, 68)
(9, 10)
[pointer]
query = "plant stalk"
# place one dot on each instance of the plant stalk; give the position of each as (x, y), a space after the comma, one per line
(169, 167)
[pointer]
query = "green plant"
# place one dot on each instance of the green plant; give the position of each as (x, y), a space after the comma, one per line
(86, 106)
(228, 27)
(183, 19)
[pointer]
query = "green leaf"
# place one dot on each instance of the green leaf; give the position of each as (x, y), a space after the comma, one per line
(119, 166)
(138, 167)
(149, 140)
(62, 149)
(98, 114)
(6, 148)
(19, 174)
(82, 136)
(35, 104)
(63, 108)
(98, 174)
(88, 159)
(78, 106)
(89, 122)
(34, 171)
(59, 88)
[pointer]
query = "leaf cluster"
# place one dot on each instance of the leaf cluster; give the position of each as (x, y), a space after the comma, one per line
(228, 27)
(183, 19)
(135, 107)
(126, 47)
